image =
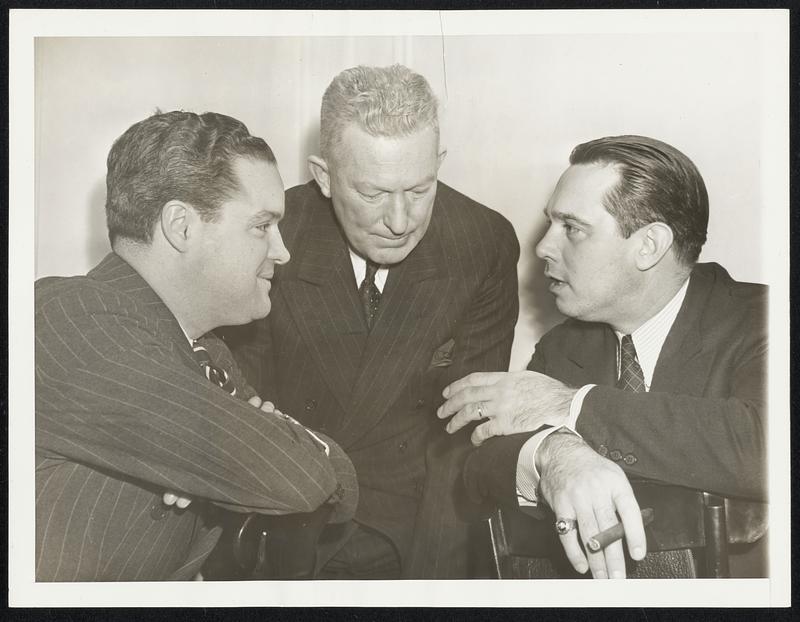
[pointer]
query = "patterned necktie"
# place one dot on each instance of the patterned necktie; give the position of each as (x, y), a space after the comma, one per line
(631, 377)
(370, 294)
(215, 374)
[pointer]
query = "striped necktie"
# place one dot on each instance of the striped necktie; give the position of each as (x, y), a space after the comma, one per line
(631, 377)
(370, 294)
(215, 374)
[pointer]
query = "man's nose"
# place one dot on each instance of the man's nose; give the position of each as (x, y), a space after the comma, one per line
(396, 216)
(545, 248)
(277, 249)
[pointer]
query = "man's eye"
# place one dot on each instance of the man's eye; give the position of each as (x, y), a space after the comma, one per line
(371, 197)
(570, 229)
(263, 227)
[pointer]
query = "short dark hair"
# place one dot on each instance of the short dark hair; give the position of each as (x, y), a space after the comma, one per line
(174, 156)
(657, 183)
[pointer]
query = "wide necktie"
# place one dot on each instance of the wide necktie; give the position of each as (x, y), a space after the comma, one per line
(215, 374)
(631, 377)
(370, 294)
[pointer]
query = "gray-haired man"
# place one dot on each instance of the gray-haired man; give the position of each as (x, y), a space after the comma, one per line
(398, 286)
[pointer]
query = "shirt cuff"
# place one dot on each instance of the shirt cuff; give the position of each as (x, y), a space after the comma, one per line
(576, 405)
(527, 474)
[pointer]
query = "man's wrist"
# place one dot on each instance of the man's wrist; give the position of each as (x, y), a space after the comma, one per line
(550, 446)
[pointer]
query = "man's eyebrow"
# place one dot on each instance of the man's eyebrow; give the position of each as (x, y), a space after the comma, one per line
(263, 215)
(425, 181)
(564, 216)
(367, 184)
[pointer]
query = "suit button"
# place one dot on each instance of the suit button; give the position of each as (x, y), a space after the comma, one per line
(402, 446)
(615, 454)
(310, 405)
(420, 403)
(602, 450)
(630, 459)
(158, 510)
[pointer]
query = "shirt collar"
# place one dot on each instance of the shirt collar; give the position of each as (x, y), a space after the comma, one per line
(360, 270)
(649, 338)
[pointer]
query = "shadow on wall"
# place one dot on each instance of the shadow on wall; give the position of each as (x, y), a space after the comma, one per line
(97, 244)
(534, 294)
(309, 146)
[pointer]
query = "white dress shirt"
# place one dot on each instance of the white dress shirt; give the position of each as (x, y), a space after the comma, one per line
(648, 340)
(360, 270)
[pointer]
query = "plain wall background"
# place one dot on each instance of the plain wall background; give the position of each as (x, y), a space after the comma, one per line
(512, 109)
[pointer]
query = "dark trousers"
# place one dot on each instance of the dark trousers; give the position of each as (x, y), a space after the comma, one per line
(366, 554)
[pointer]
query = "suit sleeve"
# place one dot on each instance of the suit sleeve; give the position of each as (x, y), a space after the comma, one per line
(112, 395)
(717, 444)
(713, 441)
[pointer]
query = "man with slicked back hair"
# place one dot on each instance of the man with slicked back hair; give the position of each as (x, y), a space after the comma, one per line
(658, 374)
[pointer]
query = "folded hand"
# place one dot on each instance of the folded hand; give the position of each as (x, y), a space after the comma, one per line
(170, 498)
(267, 407)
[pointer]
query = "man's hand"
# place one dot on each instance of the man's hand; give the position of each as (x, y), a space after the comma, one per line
(267, 407)
(578, 483)
(170, 498)
(510, 402)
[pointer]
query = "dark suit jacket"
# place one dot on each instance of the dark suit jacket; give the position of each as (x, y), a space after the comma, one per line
(702, 424)
(124, 413)
(447, 310)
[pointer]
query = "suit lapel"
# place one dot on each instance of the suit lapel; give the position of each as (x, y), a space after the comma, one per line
(682, 366)
(324, 303)
(401, 336)
(118, 273)
(593, 357)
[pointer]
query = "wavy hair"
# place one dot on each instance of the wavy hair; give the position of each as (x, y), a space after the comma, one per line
(383, 101)
(174, 156)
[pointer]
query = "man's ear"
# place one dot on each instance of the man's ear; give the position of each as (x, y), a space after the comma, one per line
(321, 174)
(177, 222)
(655, 241)
(442, 155)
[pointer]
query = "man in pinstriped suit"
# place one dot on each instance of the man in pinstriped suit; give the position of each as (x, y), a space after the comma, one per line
(376, 220)
(124, 412)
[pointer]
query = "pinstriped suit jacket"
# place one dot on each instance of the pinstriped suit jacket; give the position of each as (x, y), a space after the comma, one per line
(447, 310)
(123, 413)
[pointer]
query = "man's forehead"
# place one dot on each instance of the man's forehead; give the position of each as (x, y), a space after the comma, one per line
(255, 176)
(582, 186)
(357, 142)
(259, 188)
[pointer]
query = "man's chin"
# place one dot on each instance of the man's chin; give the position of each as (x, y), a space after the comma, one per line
(258, 313)
(262, 311)
(565, 309)
(391, 256)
